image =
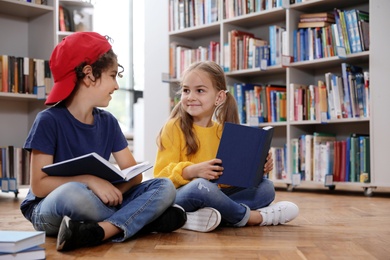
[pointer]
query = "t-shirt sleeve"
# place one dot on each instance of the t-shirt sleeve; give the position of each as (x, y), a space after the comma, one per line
(42, 134)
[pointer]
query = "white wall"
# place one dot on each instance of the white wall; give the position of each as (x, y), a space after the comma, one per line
(156, 93)
(379, 91)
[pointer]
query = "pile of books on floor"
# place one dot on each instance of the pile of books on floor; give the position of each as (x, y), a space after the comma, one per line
(22, 245)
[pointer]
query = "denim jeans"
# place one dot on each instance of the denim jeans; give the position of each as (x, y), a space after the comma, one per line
(141, 205)
(233, 203)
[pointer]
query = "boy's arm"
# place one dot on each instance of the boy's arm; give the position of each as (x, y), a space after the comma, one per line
(42, 184)
(125, 159)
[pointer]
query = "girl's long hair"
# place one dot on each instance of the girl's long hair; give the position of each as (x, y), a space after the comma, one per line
(225, 112)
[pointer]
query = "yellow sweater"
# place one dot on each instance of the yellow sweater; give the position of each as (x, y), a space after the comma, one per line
(173, 159)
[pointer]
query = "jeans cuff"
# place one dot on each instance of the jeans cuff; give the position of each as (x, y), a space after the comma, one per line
(245, 219)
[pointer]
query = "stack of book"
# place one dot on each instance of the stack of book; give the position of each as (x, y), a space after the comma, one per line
(22, 245)
(316, 20)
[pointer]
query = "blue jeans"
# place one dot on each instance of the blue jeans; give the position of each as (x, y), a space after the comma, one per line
(233, 203)
(141, 205)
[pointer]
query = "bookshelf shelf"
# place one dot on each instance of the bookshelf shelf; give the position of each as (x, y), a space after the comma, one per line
(19, 97)
(302, 72)
(23, 9)
(254, 19)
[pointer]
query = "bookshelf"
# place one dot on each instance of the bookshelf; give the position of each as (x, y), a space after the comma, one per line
(82, 13)
(302, 72)
(27, 30)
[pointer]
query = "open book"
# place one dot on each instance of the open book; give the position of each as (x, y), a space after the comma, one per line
(243, 151)
(94, 164)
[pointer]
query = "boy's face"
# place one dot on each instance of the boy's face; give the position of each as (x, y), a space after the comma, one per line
(106, 85)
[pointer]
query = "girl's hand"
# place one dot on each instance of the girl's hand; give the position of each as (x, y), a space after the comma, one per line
(209, 170)
(269, 164)
(107, 193)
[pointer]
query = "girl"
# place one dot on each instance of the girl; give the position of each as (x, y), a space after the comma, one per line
(188, 144)
(86, 210)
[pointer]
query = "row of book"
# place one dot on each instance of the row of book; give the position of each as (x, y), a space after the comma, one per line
(234, 8)
(22, 74)
(14, 168)
(181, 56)
(258, 103)
(339, 33)
(22, 244)
(246, 51)
(317, 155)
(339, 96)
(189, 13)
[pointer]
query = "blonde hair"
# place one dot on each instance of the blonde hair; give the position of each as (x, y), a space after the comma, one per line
(225, 112)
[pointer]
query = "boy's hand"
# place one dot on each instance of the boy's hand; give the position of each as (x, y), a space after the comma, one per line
(107, 193)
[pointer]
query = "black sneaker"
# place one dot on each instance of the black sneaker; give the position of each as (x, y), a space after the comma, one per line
(75, 234)
(173, 218)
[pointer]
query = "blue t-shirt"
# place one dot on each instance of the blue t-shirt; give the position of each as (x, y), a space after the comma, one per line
(56, 132)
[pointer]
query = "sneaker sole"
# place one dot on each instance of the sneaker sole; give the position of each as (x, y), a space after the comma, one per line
(63, 233)
(203, 220)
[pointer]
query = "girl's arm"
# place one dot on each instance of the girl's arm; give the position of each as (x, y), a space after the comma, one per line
(171, 160)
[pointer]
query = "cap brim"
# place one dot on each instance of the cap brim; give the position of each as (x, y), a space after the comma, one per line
(61, 90)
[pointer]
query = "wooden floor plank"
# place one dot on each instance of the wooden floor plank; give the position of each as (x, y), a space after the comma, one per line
(331, 225)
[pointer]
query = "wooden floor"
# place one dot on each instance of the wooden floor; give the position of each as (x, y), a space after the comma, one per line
(331, 225)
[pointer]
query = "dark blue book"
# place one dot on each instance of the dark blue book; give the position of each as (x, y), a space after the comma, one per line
(243, 151)
(94, 164)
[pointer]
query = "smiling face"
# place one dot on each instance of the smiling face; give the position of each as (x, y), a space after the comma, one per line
(199, 97)
(106, 85)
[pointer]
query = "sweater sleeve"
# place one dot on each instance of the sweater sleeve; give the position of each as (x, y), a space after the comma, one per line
(171, 161)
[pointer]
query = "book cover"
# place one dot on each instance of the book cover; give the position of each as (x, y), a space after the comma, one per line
(94, 164)
(36, 252)
(243, 151)
(16, 241)
(313, 24)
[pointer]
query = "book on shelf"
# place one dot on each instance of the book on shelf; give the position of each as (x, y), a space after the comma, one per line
(321, 154)
(363, 19)
(94, 164)
(276, 107)
(314, 24)
(364, 145)
(16, 241)
(36, 252)
(243, 151)
(313, 16)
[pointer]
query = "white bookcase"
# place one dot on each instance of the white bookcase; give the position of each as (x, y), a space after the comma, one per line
(27, 30)
(309, 72)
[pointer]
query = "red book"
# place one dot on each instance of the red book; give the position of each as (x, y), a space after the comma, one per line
(343, 159)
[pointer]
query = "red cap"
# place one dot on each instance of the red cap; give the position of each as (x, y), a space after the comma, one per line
(67, 55)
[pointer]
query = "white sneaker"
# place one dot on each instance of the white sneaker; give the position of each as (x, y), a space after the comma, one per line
(203, 220)
(279, 213)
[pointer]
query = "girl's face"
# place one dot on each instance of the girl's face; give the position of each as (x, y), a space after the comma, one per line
(199, 96)
(106, 85)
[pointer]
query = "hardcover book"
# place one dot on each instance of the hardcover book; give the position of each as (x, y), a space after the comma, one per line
(36, 252)
(16, 241)
(243, 151)
(94, 164)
